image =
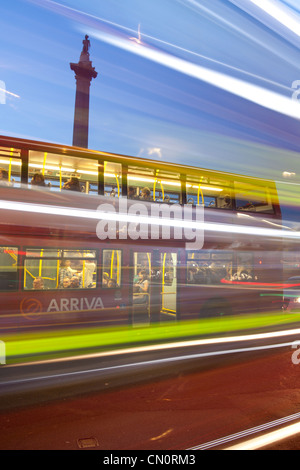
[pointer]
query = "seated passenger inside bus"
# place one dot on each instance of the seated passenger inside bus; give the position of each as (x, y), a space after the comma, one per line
(146, 194)
(74, 282)
(38, 180)
(86, 276)
(65, 270)
(132, 193)
(4, 177)
(112, 283)
(72, 184)
(66, 283)
(141, 288)
(38, 283)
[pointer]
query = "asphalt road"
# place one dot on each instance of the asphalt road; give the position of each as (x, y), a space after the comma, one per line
(148, 401)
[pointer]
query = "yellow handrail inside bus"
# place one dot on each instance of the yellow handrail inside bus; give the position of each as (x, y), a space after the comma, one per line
(57, 270)
(14, 256)
(10, 163)
(44, 163)
(112, 266)
(163, 281)
(162, 189)
(60, 177)
(41, 263)
(112, 263)
(163, 293)
(149, 262)
(200, 191)
(83, 273)
(118, 184)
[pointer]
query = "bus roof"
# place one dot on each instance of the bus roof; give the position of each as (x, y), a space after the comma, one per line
(62, 149)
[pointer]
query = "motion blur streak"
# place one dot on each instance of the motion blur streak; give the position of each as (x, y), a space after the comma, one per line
(84, 17)
(149, 362)
(246, 90)
(243, 89)
(268, 439)
(234, 26)
(281, 13)
(97, 215)
(67, 342)
(246, 432)
(9, 93)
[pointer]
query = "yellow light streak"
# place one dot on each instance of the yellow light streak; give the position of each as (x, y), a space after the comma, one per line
(268, 439)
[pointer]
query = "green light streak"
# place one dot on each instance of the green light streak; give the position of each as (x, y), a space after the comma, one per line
(63, 343)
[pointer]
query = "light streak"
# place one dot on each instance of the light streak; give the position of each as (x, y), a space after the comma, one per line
(9, 93)
(143, 364)
(223, 440)
(85, 17)
(280, 13)
(261, 96)
(138, 219)
(268, 439)
(138, 39)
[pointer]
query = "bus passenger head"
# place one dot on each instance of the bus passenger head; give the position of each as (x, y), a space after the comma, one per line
(38, 180)
(65, 263)
(146, 194)
(131, 192)
(3, 174)
(72, 184)
(111, 283)
(74, 282)
(143, 274)
(38, 283)
(66, 282)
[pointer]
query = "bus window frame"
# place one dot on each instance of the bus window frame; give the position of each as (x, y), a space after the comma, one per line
(17, 288)
(185, 175)
(211, 176)
(60, 289)
(260, 187)
(132, 170)
(102, 269)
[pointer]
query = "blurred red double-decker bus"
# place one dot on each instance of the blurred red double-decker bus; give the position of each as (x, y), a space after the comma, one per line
(96, 238)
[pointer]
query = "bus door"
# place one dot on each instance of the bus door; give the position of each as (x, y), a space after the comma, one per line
(168, 263)
(141, 288)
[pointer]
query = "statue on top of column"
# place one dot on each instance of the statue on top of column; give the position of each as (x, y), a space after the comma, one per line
(86, 45)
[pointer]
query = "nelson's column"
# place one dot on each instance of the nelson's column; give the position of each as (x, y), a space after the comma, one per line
(84, 72)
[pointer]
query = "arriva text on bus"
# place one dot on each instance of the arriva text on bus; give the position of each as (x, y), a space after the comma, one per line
(123, 219)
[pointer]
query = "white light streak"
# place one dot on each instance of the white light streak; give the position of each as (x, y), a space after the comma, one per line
(268, 439)
(280, 13)
(3, 90)
(246, 432)
(138, 219)
(81, 16)
(261, 96)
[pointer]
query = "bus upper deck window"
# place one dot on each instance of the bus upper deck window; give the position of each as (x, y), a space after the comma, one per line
(210, 192)
(10, 167)
(112, 179)
(148, 184)
(252, 198)
(62, 172)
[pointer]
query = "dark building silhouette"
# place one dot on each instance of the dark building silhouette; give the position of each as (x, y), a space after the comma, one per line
(84, 72)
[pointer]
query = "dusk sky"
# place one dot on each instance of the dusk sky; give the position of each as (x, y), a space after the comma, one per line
(201, 82)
